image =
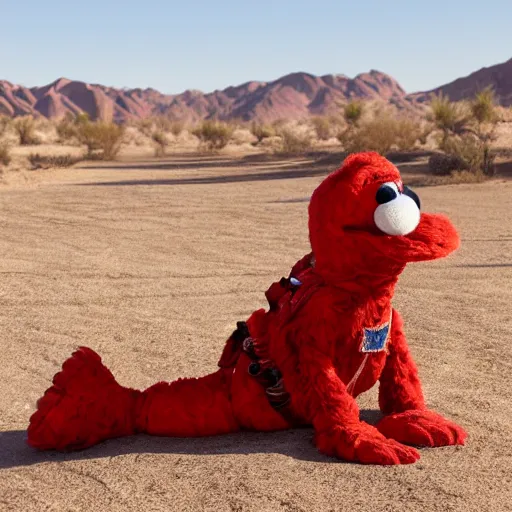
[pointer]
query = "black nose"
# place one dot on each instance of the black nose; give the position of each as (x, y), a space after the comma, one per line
(385, 194)
(412, 195)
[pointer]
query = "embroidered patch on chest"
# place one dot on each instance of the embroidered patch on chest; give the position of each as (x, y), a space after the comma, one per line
(375, 339)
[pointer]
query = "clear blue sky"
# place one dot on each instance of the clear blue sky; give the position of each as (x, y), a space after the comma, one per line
(210, 44)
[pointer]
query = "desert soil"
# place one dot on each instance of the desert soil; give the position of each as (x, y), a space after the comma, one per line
(151, 264)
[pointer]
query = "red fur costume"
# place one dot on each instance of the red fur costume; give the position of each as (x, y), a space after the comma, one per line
(330, 334)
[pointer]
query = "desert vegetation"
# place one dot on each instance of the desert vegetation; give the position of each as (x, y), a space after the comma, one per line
(466, 132)
(457, 138)
(213, 135)
(25, 128)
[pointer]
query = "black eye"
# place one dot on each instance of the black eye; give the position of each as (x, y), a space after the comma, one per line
(412, 195)
(386, 193)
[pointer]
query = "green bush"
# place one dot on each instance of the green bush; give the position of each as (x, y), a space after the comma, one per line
(214, 135)
(353, 112)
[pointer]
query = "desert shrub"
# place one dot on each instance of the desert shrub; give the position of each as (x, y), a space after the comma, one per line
(5, 155)
(160, 141)
(5, 124)
(353, 112)
(214, 135)
(176, 127)
(38, 161)
(441, 164)
(468, 130)
(382, 134)
(101, 135)
(449, 117)
(483, 107)
(25, 129)
(323, 127)
(463, 153)
(66, 129)
(262, 131)
(293, 142)
(145, 126)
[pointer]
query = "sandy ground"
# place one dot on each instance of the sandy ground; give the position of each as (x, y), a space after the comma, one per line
(154, 274)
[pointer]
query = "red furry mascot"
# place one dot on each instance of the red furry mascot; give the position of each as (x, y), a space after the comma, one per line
(330, 333)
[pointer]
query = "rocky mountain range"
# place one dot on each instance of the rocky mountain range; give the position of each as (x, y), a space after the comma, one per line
(294, 96)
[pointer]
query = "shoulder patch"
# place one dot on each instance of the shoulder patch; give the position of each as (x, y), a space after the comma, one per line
(375, 339)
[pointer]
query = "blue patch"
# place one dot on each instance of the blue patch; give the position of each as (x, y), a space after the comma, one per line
(374, 340)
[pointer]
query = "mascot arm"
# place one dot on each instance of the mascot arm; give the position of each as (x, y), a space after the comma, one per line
(400, 386)
(401, 399)
(321, 397)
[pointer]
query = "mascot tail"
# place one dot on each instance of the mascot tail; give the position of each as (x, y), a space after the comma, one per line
(86, 405)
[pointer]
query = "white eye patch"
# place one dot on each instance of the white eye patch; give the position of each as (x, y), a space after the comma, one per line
(398, 216)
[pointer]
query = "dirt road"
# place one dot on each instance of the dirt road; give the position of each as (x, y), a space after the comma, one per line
(154, 276)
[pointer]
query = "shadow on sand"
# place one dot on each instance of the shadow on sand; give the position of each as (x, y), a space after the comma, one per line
(296, 443)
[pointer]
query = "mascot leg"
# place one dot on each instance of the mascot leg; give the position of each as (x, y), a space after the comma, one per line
(407, 418)
(86, 405)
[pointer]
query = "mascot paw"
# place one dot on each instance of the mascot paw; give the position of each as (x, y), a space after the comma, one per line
(421, 428)
(367, 446)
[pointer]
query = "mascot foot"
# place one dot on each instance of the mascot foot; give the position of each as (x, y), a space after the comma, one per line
(365, 445)
(84, 406)
(421, 428)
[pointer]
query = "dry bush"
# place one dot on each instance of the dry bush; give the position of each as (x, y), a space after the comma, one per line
(66, 129)
(262, 131)
(103, 136)
(5, 154)
(449, 117)
(293, 143)
(160, 141)
(38, 161)
(176, 127)
(145, 126)
(214, 135)
(25, 129)
(5, 124)
(463, 153)
(161, 124)
(323, 127)
(382, 134)
(467, 132)
(441, 164)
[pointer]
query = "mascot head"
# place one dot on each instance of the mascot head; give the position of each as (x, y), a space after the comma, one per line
(364, 222)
